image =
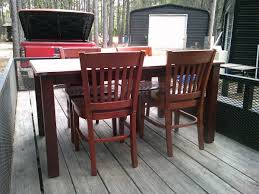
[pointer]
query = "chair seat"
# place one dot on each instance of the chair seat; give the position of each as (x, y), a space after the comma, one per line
(148, 85)
(77, 91)
(74, 91)
(79, 107)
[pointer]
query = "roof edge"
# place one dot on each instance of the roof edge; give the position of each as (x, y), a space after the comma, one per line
(167, 5)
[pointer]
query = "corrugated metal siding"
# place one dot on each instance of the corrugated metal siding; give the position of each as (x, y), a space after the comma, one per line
(245, 36)
(197, 27)
(8, 96)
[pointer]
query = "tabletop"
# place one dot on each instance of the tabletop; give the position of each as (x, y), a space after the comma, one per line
(239, 67)
(68, 66)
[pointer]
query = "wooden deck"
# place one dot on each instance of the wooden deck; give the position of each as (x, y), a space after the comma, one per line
(223, 167)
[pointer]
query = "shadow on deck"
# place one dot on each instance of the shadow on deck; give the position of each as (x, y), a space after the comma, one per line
(225, 166)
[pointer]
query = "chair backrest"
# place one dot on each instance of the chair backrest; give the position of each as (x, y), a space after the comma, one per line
(73, 52)
(191, 70)
(146, 49)
(111, 80)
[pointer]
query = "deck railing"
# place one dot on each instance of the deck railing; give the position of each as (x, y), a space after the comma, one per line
(8, 97)
(238, 109)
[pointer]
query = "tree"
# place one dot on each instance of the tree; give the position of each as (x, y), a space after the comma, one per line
(111, 22)
(122, 25)
(118, 17)
(96, 21)
(105, 24)
(212, 18)
(127, 17)
(15, 27)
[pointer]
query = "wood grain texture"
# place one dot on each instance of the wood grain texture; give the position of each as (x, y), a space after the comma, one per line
(67, 71)
(112, 174)
(223, 167)
(231, 152)
(225, 171)
(61, 184)
(77, 162)
(147, 180)
(25, 177)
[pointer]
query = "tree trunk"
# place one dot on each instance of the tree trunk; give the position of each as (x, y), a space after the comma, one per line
(111, 22)
(15, 27)
(122, 20)
(88, 5)
(105, 24)
(20, 30)
(127, 18)
(2, 20)
(96, 16)
(118, 18)
(212, 18)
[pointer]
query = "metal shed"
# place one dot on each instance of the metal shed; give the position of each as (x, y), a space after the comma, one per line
(241, 31)
(168, 26)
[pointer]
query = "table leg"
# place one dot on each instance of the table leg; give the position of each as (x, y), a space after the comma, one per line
(161, 82)
(225, 87)
(138, 119)
(248, 97)
(39, 105)
(50, 125)
(211, 105)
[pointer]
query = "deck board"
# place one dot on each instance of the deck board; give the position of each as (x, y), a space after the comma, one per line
(223, 167)
(24, 167)
(239, 156)
(116, 182)
(233, 177)
(61, 184)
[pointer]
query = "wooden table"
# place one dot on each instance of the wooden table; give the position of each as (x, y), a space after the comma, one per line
(67, 71)
(238, 67)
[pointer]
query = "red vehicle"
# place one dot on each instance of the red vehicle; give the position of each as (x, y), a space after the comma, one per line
(47, 30)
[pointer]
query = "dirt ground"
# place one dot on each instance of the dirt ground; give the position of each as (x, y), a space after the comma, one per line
(6, 51)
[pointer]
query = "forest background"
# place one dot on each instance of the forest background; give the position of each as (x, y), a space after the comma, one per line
(111, 16)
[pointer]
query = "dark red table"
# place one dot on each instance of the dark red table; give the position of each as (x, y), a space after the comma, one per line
(67, 71)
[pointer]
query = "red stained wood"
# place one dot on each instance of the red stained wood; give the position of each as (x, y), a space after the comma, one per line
(176, 94)
(146, 49)
(103, 105)
(67, 71)
(66, 53)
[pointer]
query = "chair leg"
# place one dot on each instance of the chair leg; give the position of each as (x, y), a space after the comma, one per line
(75, 130)
(72, 127)
(200, 128)
(168, 126)
(121, 126)
(114, 126)
(147, 110)
(133, 141)
(92, 147)
(142, 114)
(176, 119)
(69, 113)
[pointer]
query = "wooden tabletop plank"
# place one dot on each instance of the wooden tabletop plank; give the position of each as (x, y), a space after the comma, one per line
(70, 66)
(239, 67)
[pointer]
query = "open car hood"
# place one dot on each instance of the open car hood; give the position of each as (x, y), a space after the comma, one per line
(56, 25)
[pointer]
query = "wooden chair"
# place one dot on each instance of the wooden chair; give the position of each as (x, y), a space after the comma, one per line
(146, 84)
(146, 49)
(184, 88)
(120, 71)
(73, 91)
(73, 52)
